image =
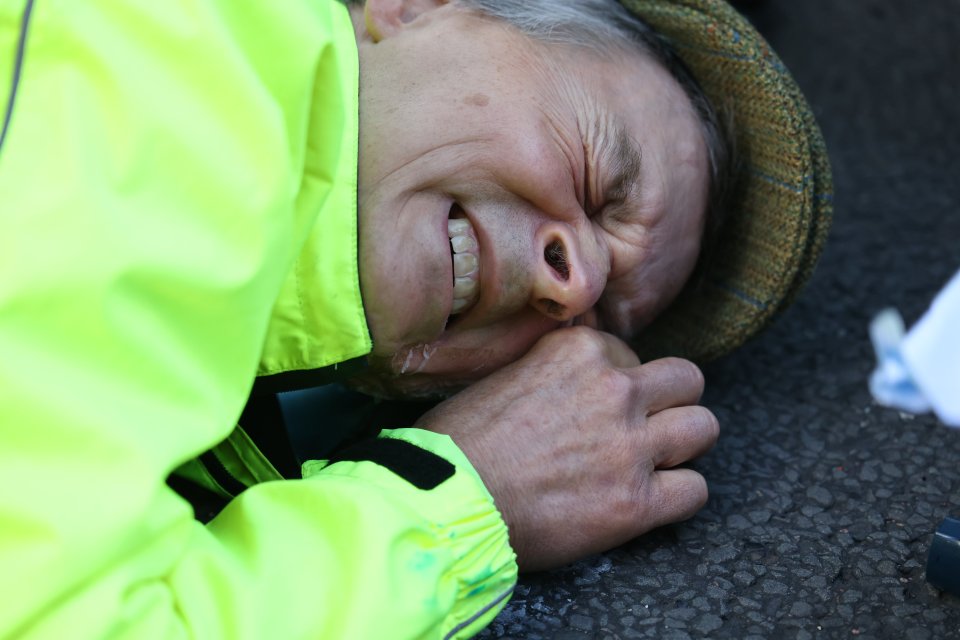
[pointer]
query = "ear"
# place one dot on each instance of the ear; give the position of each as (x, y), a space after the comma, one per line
(384, 18)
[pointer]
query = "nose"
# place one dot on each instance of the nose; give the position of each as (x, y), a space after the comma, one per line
(569, 275)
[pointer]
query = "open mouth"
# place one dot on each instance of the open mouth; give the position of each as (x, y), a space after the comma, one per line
(464, 252)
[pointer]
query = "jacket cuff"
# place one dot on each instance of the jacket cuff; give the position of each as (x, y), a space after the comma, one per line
(430, 473)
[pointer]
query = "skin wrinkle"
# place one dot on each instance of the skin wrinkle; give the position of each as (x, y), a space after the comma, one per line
(625, 159)
(613, 147)
(518, 168)
(621, 317)
(561, 89)
(430, 151)
(578, 180)
(574, 92)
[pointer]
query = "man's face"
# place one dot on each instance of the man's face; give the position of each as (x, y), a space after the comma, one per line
(576, 182)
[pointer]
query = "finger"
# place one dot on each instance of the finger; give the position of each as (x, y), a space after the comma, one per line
(681, 434)
(587, 340)
(673, 495)
(670, 382)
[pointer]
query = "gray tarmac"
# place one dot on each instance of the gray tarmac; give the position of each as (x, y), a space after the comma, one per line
(823, 504)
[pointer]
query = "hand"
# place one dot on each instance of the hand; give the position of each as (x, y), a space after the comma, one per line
(578, 444)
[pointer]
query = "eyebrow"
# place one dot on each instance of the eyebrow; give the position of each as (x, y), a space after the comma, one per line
(627, 159)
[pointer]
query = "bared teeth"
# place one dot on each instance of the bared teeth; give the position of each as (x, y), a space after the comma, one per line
(462, 244)
(463, 288)
(466, 264)
(457, 226)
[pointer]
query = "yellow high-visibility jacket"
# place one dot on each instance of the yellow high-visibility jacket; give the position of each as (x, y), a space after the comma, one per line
(178, 216)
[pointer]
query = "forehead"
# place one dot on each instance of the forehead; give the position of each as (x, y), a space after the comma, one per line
(631, 90)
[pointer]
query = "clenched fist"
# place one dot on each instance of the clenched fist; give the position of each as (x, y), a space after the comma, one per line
(579, 443)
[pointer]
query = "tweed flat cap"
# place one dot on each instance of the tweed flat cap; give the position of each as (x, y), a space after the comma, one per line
(781, 210)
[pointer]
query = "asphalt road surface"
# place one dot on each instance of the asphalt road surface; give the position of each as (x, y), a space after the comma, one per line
(822, 504)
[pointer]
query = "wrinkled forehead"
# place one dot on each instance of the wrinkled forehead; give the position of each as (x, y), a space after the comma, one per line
(630, 90)
(667, 207)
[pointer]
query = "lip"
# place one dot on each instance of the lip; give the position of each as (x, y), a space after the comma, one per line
(447, 290)
(433, 302)
(436, 282)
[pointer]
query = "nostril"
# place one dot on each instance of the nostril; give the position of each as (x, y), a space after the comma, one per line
(556, 257)
(553, 308)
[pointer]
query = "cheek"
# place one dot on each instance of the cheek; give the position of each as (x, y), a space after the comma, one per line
(624, 312)
(689, 178)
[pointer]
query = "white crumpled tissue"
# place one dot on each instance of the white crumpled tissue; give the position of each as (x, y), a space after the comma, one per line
(919, 371)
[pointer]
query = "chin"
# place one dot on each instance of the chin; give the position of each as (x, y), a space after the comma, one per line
(382, 381)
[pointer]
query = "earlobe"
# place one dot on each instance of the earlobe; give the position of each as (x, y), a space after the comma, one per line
(384, 18)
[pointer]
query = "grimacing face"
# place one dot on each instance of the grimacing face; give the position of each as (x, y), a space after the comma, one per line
(577, 183)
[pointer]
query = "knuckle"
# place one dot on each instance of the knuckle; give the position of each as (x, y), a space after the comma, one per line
(576, 340)
(615, 383)
(549, 341)
(586, 338)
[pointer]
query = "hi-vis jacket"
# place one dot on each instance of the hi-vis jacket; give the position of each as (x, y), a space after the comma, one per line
(177, 216)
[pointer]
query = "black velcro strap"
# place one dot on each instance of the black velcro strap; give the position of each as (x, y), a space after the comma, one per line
(262, 421)
(305, 379)
(220, 473)
(206, 504)
(421, 468)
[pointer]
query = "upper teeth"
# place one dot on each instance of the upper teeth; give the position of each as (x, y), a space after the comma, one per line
(466, 264)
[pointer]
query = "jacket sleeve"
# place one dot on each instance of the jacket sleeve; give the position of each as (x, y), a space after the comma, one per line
(142, 242)
(397, 538)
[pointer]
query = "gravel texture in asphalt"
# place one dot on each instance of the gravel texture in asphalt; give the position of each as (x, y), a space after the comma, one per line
(822, 504)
